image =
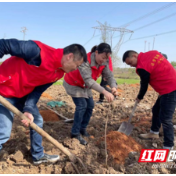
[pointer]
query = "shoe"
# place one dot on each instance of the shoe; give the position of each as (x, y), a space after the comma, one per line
(81, 140)
(84, 133)
(99, 102)
(149, 136)
(47, 159)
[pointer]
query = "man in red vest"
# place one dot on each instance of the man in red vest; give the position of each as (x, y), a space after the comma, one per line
(154, 69)
(33, 67)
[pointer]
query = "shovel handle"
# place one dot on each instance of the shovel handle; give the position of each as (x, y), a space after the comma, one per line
(134, 108)
(39, 130)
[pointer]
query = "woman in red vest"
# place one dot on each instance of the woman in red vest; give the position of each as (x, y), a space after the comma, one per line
(78, 85)
(104, 84)
(33, 67)
(154, 69)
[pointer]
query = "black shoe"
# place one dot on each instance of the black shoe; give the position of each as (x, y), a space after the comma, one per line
(84, 133)
(81, 140)
(47, 159)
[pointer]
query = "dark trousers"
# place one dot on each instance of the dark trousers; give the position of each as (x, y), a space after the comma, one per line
(162, 114)
(83, 113)
(103, 84)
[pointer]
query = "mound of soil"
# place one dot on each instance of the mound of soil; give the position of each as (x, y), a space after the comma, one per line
(49, 116)
(119, 146)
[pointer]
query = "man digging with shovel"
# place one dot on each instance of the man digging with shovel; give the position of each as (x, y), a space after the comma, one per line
(154, 69)
(32, 68)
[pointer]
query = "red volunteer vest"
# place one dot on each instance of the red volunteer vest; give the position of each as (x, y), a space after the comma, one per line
(17, 78)
(74, 78)
(110, 64)
(162, 73)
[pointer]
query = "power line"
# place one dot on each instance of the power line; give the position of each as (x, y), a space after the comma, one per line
(151, 36)
(101, 18)
(121, 3)
(152, 23)
(91, 39)
(142, 17)
(155, 22)
(122, 31)
(151, 13)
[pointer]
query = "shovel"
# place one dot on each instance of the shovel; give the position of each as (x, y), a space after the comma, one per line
(66, 120)
(127, 127)
(73, 158)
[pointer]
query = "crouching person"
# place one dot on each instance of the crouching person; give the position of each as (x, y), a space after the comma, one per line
(78, 85)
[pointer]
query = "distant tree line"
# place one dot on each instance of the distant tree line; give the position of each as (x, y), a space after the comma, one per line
(173, 63)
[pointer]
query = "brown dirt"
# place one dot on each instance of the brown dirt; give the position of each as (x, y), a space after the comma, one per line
(46, 95)
(144, 121)
(49, 116)
(134, 85)
(119, 90)
(123, 151)
(150, 88)
(119, 146)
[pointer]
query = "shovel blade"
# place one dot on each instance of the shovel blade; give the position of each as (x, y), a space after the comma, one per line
(69, 121)
(126, 128)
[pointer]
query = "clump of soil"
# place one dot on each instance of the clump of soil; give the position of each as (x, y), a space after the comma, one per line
(134, 85)
(119, 146)
(150, 88)
(119, 90)
(46, 95)
(144, 121)
(49, 116)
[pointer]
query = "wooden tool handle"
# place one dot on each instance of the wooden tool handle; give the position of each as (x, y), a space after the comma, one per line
(13, 109)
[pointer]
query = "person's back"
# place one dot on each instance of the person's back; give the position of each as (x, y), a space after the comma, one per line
(154, 69)
(162, 73)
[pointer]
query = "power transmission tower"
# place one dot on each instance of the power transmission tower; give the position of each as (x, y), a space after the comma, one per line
(149, 46)
(24, 29)
(112, 30)
(145, 46)
(153, 43)
(4, 36)
(122, 30)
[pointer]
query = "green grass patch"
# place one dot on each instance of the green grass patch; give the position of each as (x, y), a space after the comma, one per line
(122, 81)
(59, 82)
(127, 81)
(119, 81)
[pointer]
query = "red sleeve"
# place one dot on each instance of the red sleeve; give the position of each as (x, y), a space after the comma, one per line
(110, 64)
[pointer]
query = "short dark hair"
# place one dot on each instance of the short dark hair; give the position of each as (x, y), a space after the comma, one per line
(78, 51)
(128, 54)
(102, 48)
(164, 55)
